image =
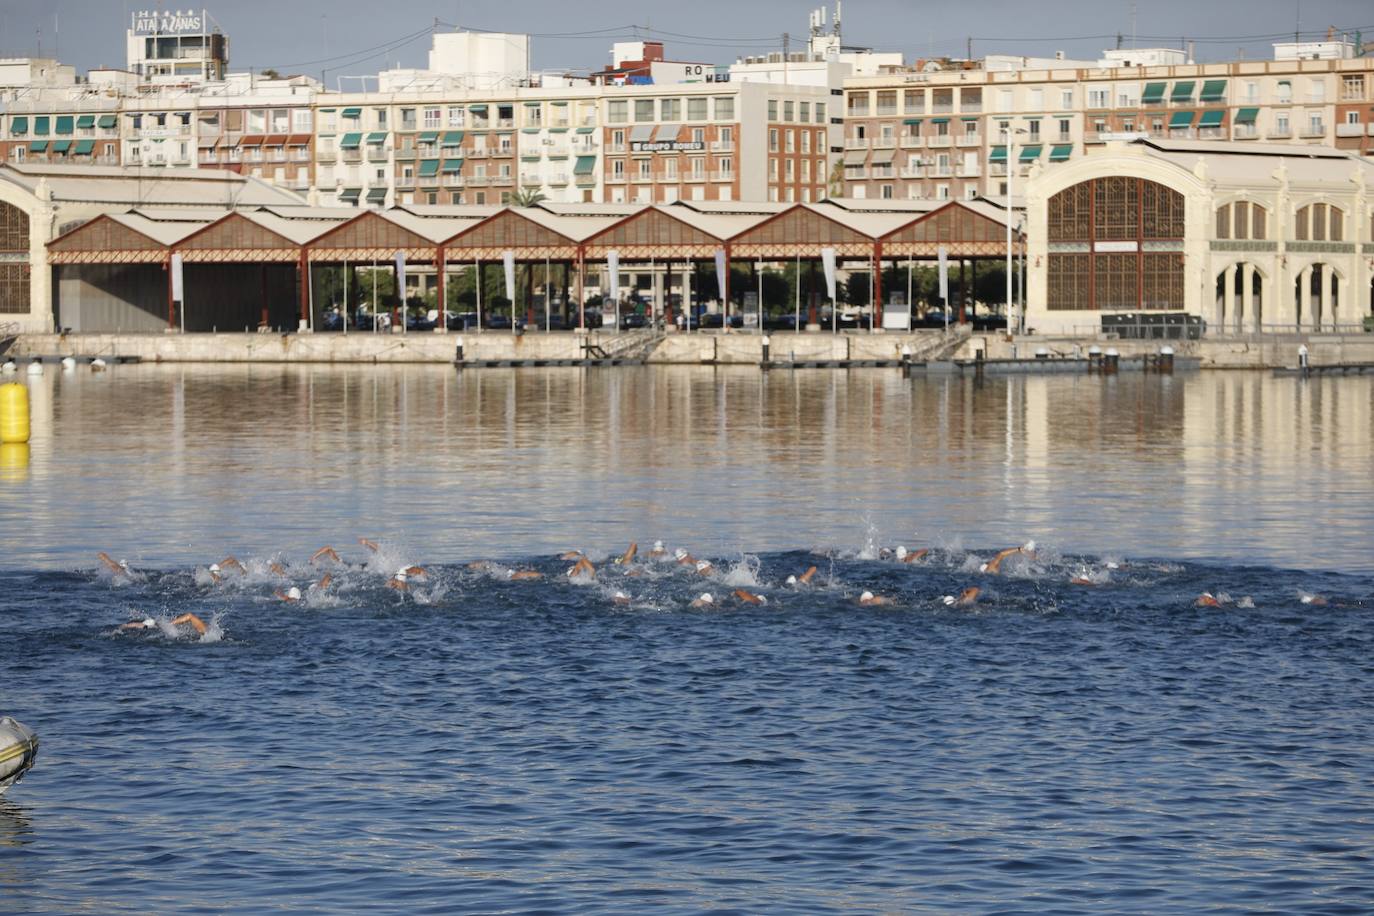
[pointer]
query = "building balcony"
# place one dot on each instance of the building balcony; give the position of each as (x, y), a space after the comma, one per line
(586, 180)
(970, 140)
(695, 176)
(942, 108)
(912, 142)
(405, 155)
(478, 181)
(858, 112)
(503, 152)
(559, 180)
(997, 169)
(882, 143)
(1279, 133)
(886, 111)
(1311, 131)
(452, 180)
(722, 146)
(722, 176)
(325, 155)
(942, 171)
(910, 172)
(971, 107)
(856, 143)
(969, 171)
(376, 155)
(1245, 132)
(1350, 130)
(615, 179)
(642, 179)
(940, 140)
(352, 156)
(1211, 133)
(616, 147)
(405, 181)
(107, 160)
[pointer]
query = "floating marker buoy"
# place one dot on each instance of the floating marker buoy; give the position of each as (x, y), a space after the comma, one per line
(18, 748)
(68, 363)
(9, 368)
(97, 365)
(14, 413)
(35, 368)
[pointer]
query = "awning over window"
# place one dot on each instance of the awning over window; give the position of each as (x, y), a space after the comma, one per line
(352, 113)
(855, 157)
(1181, 119)
(883, 156)
(275, 140)
(998, 154)
(298, 140)
(64, 124)
(1211, 118)
(350, 195)
(1030, 153)
(351, 141)
(914, 122)
(641, 133)
(376, 195)
(376, 138)
(207, 142)
(61, 146)
(668, 132)
(252, 139)
(429, 168)
(40, 126)
(1247, 115)
(585, 165)
(558, 130)
(939, 120)
(38, 146)
(85, 122)
(19, 126)
(477, 109)
(586, 130)
(1183, 91)
(105, 122)
(429, 136)
(529, 130)
(1213, 90)
(453, 166)
(1060, 152)
(1153, 94)
(83, 148)
(453, 138)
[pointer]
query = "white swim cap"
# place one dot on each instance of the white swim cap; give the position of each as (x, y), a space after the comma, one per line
(791, 580)
(866, 596)
(1029, 547)
(400, 575)
(901, 551)
(948, 599)
(214, 567)
(706, 598)
(294, 593)
(680, 553)
(621, 595)
(703, 564)
(149, 623)
(763, 599)
(982, 567)
(658, 545)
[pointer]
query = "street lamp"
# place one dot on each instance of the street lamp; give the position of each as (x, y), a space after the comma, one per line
(1008, 131)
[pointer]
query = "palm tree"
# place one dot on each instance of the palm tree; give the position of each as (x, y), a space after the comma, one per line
(528, 197)
(836, 183)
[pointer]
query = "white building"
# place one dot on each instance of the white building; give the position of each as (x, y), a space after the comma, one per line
(176, 47)
(482, 61)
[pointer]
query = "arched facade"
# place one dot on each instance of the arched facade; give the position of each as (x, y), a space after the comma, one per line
(25, 281)
(14, 260)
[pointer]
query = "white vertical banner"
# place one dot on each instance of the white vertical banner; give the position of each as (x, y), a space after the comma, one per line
(178, 289)
(509, 258)
(720, 274)
(613, 275)
(828, 263)
(943, 254)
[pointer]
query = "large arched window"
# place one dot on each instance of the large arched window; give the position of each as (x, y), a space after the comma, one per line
(14, 260)
(1320, 223)
(1116, 243)
(1241, 220)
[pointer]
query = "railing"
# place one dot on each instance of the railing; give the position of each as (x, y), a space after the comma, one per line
(968, 171)
(887, 111)
(1350, 130)
(477, 152)
(883, 143)
(970, 139)
(911, 173)
(856, 143)
(558, 180)
(909, 142)
(722, 176)
(452, 180)
(615, 147)
(405, 181)
(722, 146)
(940, 140)
(615, 179)
(1312, 131)
(1279, 133)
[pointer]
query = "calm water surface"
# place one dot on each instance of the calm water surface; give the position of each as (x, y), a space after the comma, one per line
(482, 744)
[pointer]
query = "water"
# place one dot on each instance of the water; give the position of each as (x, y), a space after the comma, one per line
(482, 744)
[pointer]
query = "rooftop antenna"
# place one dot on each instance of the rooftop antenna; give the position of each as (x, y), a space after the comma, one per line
(839, 35)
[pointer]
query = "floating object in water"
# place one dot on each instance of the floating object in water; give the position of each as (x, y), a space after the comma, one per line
(68, 363)
(9, 368)
(706, 600)
(620, 598)
(14, 414)
(35, 368)
(966, 598)
(18, 748)
(98, 365)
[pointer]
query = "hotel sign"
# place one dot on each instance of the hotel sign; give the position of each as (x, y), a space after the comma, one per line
(667, 146)
(164, 22)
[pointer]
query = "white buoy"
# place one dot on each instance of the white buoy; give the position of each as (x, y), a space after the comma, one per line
(68, 363)
(35, 368)
(98, 365)
(18, 748)
(9, 368)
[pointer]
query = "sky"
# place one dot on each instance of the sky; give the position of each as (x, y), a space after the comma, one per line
(349, 37)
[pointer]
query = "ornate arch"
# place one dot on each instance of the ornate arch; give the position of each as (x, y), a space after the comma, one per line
(15, 242)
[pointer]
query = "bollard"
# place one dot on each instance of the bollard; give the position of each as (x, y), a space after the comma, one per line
(1166, 360)
(1110, 361)
(458, 351)
(766, 344)
(14, 414)
(1042, 353)
(1302, 359)
(1094, 358)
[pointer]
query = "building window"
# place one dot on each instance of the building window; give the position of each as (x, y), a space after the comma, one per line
(1352, 88)
(671, 109)
(456, 113)
(1241, 220)
(788, 111)
(858, 104)
(725, 108)
(1125, 213)
(772, 109)
(790, 140)
(1099, 98)
(804, 112)
(820, 112)
(772, 140)
(1284, 92)
(644, 110)
(696, 109)
(1320, 223)
(617, 112)
(1066, 98)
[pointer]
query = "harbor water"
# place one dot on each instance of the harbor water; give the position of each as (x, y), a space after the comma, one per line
(1080, 737)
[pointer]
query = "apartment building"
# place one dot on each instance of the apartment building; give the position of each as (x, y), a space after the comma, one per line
(954, 134)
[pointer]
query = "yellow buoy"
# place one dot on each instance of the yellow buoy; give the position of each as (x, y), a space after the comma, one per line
(14, 413)
(14, 462)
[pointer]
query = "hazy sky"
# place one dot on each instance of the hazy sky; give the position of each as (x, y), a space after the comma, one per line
(351, 37)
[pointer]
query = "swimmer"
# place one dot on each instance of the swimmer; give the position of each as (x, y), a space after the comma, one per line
(482, 566)
(582, 567)
(910, 556)
(705, 568)
(705, 600)
(215, 576)
(684, 558)
(1314, 600)
(119, 569)
(994, 566)
(290, 596)
(571, 555)
(620, 598)
(868, 599)
(628, 556)
(398, 582)
(967, 598)
(524, 575)
(148, 623)
(804, 578)
(325, 553)
(1207, 599)
(231, 562)
(1082, 580)
(277, 569)
(658, 550)
(749, 597)
(370, 545)
(325, 581)
(416, 572)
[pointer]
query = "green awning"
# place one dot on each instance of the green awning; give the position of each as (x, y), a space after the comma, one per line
(453, 166)
(453, 138)
(353, 113)
(477, 109)
(1153, 94)
(533, 104)
(84, 148)
(1181, 119)
(1247, 115)
(998, 154)
(1030, 153)
(1213, 90)
(38, 146)
(586, 130)
(19, 125)
(429, 168)
(968, 119)
(350, 195)
(939, 120)
(1211, 118)
(376, 138)
(106, 122)
(351, 141)
(85, 122)
(61, 146)
(1183, 91)
(585, 165)
(64, 124)
(328, 110)
(429, 136)
(558, 130)
(914, 122)
(529, 130)
(1060, 152)
(376, 195)
(40, 125)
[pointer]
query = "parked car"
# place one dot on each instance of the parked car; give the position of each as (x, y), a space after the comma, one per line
(632, 320)
(716, 320)
(417, 322)
(365, 320)
(332, 320)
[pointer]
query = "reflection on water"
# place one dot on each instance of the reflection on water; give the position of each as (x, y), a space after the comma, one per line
(169, 465)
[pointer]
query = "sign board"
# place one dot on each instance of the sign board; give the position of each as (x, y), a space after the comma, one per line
(897, 316)
(944, 272)
(720, 273)
(178, 288)
(667, 146)
(613, 272)
(828, 262)
(509, 258)
(1118, 247)
(168, 22)
(400, 277)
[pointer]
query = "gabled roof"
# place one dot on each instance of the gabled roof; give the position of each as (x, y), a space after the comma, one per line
(147, 186)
